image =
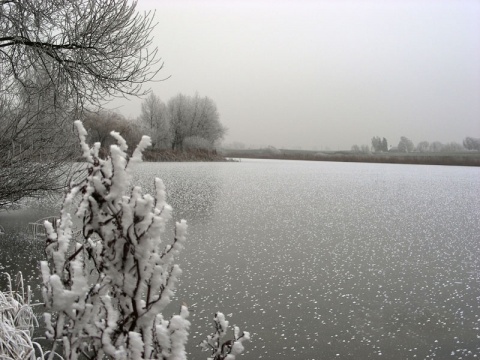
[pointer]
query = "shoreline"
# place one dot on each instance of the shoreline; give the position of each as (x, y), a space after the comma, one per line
(183, 156)
(449, 159)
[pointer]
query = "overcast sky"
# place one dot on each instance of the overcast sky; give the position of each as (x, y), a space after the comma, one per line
(324, 74)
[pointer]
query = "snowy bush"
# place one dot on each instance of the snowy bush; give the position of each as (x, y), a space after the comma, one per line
(105, 290)
(228, 349)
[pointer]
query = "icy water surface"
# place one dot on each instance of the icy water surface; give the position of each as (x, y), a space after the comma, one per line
(319, 260)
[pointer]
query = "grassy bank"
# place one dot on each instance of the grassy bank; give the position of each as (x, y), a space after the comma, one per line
(455, 159)
(187, 155)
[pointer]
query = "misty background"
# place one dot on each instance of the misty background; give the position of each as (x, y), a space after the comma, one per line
(323, 74)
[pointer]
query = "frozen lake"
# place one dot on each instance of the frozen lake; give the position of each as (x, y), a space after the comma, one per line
(318, 260)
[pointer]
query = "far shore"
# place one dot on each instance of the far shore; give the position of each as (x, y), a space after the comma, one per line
(467, 158)
(182, 156)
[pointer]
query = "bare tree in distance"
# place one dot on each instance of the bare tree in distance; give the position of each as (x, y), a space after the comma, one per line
(364, 149)
(57, 57)
(379, 144)
(423, 146)
(435, 146)
(193, 117)
(405, 145)
(453, 147)
(384, 145)
(471, 143)
(154, 120)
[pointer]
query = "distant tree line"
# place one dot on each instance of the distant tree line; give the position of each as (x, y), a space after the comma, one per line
(437, 146)
(472, 143)
(364, 149)
(185, 122)
(405, 145)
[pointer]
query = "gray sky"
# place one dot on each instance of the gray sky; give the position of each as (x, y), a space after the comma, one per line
(324, 74)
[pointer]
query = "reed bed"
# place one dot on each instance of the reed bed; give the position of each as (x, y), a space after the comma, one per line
(17, 322)
(187, 155)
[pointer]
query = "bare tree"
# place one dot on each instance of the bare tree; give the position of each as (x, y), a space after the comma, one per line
(436, 146)
(101, 123)
(56, 57)
(471, 143)
(379, 144)
(205, 120)
(423, 146)
(405, 145)
(453, 147)
(179, 117)
(384, 144)
(154, 120)
(92, 48)
(193, 117)
(365, 149)
(33, 139)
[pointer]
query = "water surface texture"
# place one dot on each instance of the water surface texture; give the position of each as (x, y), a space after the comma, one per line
(319, 260)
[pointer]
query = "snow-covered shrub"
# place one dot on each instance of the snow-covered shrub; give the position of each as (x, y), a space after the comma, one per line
(105, 290)
(17, 322)
(226, 350)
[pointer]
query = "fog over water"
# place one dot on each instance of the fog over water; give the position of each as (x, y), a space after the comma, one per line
(318, 74)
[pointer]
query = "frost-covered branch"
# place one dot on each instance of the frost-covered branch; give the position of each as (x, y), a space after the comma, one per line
(226, 350)
(105, 291)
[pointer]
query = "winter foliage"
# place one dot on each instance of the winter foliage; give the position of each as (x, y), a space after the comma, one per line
(106, 289)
